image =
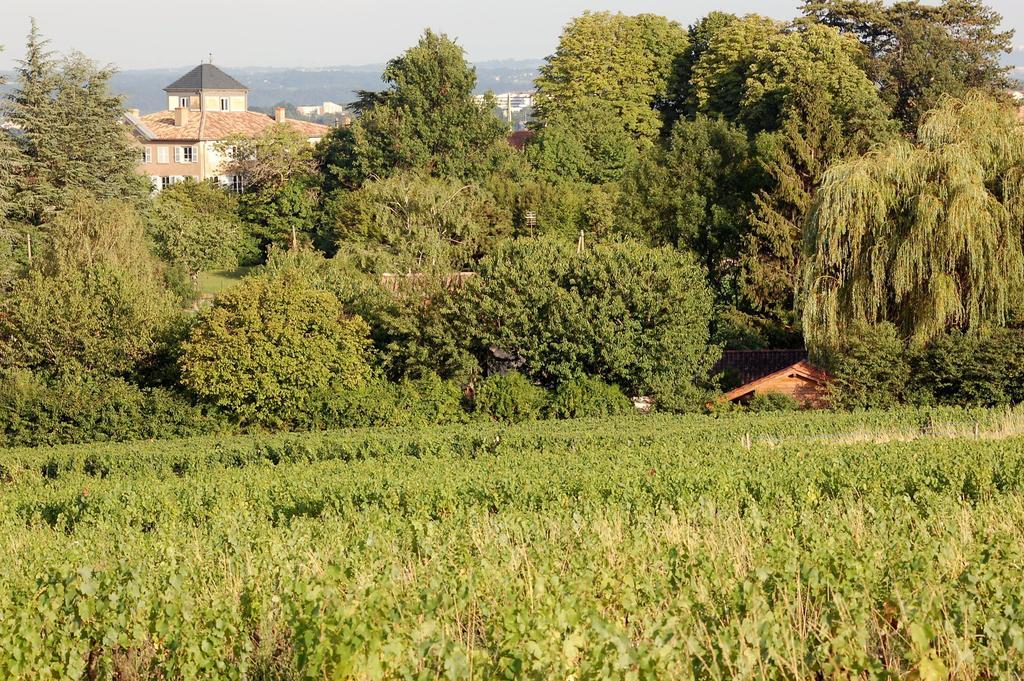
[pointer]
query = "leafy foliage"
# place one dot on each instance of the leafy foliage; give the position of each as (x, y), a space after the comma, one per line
(623, 61)
(870, 368)
(70, 133)
(95, 303)
(510, 398)
(425, 120)
(632, 315)
(588, 397)
(925, 235)
(269, 345)
(413, 222)
(196, 226)
(919, 53)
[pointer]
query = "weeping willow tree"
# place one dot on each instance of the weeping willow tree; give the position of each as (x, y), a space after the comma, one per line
(923, 234)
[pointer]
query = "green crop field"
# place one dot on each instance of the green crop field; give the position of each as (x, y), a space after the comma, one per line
(879, 545)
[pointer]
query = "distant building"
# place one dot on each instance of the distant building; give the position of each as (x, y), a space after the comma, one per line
(324, 109)
(204, 107)
(510, 102)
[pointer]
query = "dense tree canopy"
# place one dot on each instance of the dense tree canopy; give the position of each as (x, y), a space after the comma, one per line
(624, 61)
(919, 52)
(413, 222)
(71, 132)
(924, 234)
(633, 315)
(93, 303)
(426, 119)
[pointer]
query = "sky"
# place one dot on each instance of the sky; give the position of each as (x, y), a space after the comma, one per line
(134, 34)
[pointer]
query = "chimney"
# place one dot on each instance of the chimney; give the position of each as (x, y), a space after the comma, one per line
(133, 112)
(180, 117)
(279, 114)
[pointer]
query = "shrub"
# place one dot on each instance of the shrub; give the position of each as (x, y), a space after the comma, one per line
(510, 397)
(978, 370)
(424, 401)
(771, 401)
(632, 315)
(870, 367)
(35, 412)
(588, 396)
(270, 345)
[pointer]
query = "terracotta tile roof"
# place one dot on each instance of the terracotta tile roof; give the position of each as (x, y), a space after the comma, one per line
(744, 366)
(217, 125)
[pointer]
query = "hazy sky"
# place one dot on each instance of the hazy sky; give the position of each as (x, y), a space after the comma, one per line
(139, 34)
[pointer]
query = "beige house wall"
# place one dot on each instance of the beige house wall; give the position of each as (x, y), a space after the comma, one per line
(209, 100)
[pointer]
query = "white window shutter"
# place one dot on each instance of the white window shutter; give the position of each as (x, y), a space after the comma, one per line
(178, 153)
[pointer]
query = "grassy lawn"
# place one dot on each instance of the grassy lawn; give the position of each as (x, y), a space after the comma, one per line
(216, 282)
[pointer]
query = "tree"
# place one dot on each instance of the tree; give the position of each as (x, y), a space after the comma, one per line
(279, 176)
(920, 52)
(269, 347)
(93, 304)
(625, 62)
(585, 143)
(695, 192)
(632, 315)
(196, 226)
(925, 235)
(426, 119)
(412, 222)
(71, 132)
(803, 97)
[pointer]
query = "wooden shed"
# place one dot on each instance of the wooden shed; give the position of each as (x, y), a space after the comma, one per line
(773, 371)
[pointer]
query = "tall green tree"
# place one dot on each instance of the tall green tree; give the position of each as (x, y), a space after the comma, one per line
(585, 143)
(71, 132)
(426, 119)
(281, 189)
(624, 61)
(415, 223)
(919, 52)
(93, 303)
(804, 98)
(695, 192)
(925, 234)
(195, 225)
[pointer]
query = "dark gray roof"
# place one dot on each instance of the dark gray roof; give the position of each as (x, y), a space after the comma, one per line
(205, 77)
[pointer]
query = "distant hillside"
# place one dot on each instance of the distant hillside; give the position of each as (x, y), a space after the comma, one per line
(144, 89)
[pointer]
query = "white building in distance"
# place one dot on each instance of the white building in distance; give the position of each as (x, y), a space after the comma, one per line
(510, 102)
(321, 109)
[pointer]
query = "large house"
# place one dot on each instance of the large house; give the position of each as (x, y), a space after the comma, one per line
(204, 107)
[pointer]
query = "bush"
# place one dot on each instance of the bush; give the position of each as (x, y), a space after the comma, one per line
(977, 370)
(632, 315)
(870, 368)
(270, 345)
(588, 396)
(764, 402)
(34, 412)
(424, 401)
(510, 398)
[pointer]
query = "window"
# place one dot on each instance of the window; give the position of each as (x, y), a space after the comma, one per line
(225, 104)
(184, 154)
(145, 155)
(166, 182)
(236, 184)
(161, 154)
(182, 102)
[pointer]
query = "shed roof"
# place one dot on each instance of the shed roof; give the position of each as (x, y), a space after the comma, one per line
(801, 369)
(205, 77)
(750, 365)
